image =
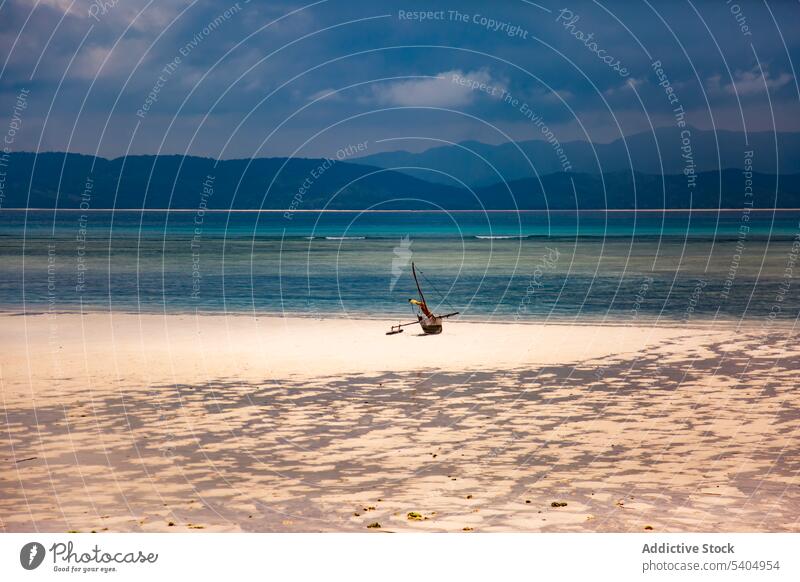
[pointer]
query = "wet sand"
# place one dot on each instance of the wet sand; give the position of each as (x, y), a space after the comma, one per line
(182, 422)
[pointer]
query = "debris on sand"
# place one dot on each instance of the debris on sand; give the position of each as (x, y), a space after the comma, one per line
(648, 527)
(414, 516)
(466, 529)
(558, 504)
(374, 525)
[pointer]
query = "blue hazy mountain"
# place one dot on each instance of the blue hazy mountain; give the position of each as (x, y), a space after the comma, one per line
(664, 152)
(170, 181)
(66, 180)
(635, 190)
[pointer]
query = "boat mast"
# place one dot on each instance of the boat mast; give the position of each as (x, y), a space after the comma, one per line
(422, 304)
(414, 271)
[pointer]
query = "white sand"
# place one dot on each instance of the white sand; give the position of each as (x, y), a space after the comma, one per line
(183, 348)
(268, 423)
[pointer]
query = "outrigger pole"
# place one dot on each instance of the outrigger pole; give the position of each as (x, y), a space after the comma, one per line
(398, 328)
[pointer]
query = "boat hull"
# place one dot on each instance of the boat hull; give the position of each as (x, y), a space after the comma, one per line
(431, 325)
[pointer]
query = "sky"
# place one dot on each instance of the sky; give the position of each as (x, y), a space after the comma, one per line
(273, 78)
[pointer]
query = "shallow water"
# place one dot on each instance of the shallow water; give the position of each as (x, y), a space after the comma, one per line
(530, 266)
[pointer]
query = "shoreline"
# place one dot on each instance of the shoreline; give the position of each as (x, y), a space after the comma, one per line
(698, 323)
(420, 211)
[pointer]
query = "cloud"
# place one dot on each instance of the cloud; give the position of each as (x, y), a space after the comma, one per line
(636, 83)
(330, 94)
(64, 6)
(453, 88)
(87, 64)
(118, 14)
(372, 50)
(748, 82)
(624, 87)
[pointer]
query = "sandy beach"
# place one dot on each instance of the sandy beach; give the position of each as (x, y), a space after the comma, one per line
(128, 422)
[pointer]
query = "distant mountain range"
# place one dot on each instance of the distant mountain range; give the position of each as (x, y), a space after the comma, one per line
(66, 180)
(177, 182)
(478, 164)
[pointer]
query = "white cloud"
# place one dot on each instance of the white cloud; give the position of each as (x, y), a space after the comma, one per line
(447, 89)
(748, 82)
(65, 6)
(625, 86)
(636, 83)
(329, 94)
(118, 13)
(88, 62)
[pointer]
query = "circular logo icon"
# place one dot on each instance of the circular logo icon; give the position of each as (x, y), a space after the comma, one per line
(31, 555)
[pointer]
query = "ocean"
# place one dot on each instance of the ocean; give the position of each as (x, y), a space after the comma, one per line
(614, 267)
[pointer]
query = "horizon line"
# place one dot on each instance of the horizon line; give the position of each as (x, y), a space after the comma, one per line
(464, 141)
(356, 211)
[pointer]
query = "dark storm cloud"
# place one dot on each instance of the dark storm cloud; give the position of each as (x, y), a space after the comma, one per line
(270, 78)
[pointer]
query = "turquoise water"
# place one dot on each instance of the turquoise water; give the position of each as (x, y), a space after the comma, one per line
(530, 266)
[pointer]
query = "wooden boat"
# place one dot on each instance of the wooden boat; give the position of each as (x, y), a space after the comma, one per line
(430, 323)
